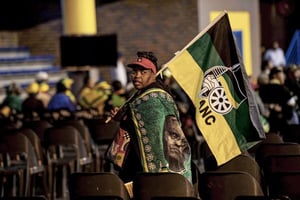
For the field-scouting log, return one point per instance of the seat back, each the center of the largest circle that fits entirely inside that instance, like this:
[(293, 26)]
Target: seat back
[(292, 134), (64, 148), (65, 136), (285, 184), (36, 143), (96, 185), (20, 149), (82, 129), (268, 149), (244, 163), (102, 132), (22, 157), (273, 138), (153, 185), (38, 127), (227, 185), (270, 138), (279, 164)]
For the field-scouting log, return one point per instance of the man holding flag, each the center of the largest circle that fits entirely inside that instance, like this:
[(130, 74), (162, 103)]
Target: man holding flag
[(211, 72)]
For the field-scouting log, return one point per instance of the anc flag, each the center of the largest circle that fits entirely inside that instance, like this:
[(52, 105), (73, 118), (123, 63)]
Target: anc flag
[(210, 71)]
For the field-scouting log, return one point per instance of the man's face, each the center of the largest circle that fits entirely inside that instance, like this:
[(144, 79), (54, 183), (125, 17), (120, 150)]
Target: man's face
[(175, 140), (142, 77)]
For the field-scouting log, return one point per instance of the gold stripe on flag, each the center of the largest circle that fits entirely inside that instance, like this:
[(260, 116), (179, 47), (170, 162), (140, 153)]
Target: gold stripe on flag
[(218, 135), (190, 75)]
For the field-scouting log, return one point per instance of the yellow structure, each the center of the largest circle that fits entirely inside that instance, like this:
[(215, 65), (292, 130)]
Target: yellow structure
[(79, 17), (240, 21)]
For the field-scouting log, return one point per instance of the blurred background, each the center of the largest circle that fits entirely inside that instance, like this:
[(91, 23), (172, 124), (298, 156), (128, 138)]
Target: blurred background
[(34, 34)]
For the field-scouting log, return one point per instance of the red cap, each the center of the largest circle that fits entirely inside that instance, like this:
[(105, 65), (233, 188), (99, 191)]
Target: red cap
[(143, 62)]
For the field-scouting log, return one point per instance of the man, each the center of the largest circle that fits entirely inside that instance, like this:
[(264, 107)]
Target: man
[(143, 118), (275, 55)]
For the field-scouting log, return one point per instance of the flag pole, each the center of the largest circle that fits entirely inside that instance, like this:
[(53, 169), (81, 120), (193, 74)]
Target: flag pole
[(193, 40)]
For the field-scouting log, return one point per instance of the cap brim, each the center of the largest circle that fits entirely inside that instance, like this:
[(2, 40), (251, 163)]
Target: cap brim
[(134, 65)]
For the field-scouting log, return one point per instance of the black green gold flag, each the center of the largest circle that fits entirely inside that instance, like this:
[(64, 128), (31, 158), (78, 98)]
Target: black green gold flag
[(210, 71)]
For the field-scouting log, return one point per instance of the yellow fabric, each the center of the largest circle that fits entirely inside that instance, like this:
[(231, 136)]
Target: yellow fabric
[(94, 98), (68, 82), (44, 87), (103, 85), (5, 111), (33, 88), (71, 96)]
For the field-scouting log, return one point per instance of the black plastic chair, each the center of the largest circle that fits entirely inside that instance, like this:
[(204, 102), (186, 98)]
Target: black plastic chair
[(38, 127), (9, 173), (227, 185), (268, 149), (147, 186), (23, 156), (243, 163), (66, 153), (285, 184), (277, 163), (41, 160), (292, 134), (280, 164), (103, 134), (97, 185), (270, 138), (89, 143)]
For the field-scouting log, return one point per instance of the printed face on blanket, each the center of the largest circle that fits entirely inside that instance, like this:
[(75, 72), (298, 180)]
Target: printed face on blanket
[(176, 146), (151, 118)]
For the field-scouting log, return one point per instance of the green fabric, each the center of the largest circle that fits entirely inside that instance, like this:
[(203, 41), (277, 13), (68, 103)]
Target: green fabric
[(117, 100), (149, 112), (14, 102)]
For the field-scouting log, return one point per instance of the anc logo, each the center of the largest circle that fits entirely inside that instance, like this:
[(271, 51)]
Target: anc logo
[(221, 88)]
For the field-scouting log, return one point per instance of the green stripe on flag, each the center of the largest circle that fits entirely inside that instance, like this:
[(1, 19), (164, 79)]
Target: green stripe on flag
[(204, 53)]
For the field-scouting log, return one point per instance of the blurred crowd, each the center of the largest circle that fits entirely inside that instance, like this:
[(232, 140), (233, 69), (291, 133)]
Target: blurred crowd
[(95, 99), (41, 100), (278, 90)]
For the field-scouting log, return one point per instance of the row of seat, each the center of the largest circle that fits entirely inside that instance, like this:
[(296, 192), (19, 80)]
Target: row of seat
[(54, 144), (54, 149), (145, 186), (240, 179), (273, 165)]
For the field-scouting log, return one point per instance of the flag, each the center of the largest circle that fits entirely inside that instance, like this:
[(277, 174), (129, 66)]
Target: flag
[(210, 71)]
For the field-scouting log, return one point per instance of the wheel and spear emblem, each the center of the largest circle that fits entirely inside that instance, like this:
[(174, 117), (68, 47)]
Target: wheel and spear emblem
[(220, 100)]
